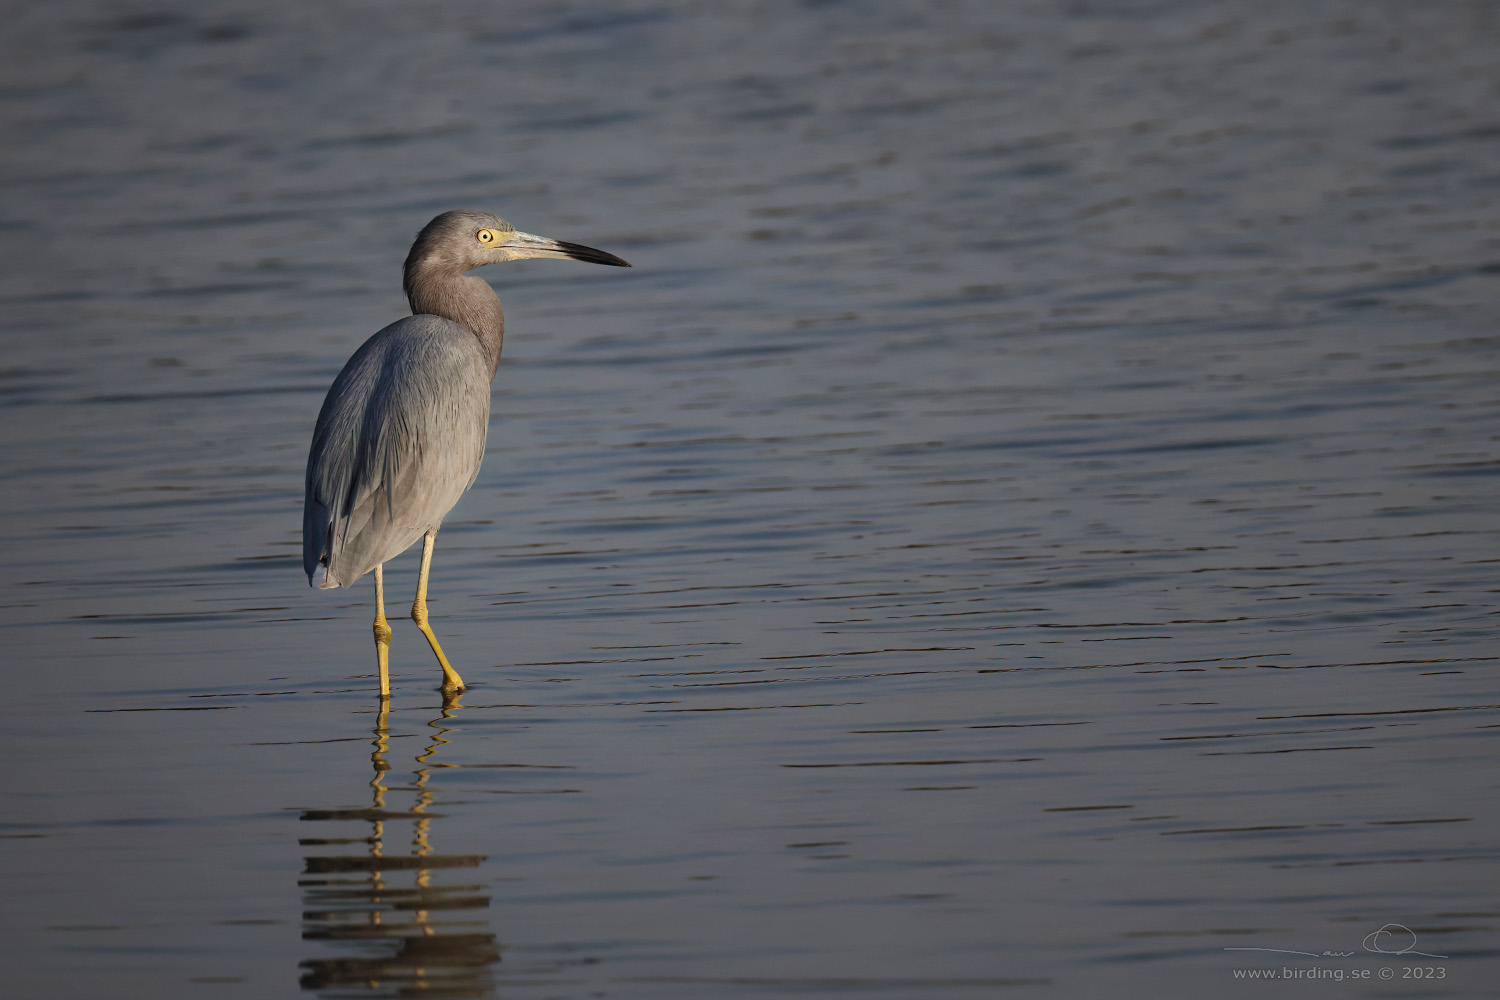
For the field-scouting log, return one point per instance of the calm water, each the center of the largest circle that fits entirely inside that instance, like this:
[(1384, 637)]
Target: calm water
[(1025, 527)]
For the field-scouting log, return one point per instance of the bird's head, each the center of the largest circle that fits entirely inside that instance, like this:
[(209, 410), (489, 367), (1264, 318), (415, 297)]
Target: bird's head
[(462, 240)]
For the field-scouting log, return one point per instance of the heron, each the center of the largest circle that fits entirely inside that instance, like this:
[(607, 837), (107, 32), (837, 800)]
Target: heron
[(401, 433)]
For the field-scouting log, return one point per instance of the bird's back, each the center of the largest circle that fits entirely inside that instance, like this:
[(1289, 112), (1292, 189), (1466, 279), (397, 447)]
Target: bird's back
[(399, 439)]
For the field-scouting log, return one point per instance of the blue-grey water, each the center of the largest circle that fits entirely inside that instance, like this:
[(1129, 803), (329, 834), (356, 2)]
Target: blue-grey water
[(1026, 525)]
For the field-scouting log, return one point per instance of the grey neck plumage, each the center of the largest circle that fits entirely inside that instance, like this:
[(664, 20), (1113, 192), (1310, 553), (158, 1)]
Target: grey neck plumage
[(436, 287)]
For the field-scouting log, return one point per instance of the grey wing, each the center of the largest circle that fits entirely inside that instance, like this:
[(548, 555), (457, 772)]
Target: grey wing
[(399, 439)]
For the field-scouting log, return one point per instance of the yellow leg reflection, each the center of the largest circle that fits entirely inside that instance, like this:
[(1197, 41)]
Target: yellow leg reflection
[(452, 683), (386, 921), (382, 636)]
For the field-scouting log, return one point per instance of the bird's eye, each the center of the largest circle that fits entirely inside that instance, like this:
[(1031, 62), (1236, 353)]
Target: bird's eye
[(487, 237)]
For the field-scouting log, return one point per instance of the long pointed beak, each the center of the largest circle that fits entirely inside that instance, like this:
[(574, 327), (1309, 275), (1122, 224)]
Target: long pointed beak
[(526, 245)]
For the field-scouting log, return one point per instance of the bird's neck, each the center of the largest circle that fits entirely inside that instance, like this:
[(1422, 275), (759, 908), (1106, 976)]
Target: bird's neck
[(465, 299)]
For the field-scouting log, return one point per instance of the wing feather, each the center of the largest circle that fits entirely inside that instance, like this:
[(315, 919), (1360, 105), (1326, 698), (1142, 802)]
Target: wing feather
[(398, 441)]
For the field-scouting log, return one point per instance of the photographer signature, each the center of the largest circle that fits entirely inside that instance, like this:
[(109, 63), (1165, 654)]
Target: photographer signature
[(1390, 939)]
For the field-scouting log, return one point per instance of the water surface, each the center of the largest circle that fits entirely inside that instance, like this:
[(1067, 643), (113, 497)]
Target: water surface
[(1025, 525)]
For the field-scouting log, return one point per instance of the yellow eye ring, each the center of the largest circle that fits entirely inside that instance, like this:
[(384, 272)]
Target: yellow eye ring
[(488, 237)]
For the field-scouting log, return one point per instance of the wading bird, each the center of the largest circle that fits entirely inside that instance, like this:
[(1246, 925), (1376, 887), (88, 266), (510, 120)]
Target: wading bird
[(401, 433)]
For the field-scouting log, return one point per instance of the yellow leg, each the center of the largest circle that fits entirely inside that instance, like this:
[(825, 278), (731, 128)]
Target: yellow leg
[(451, 681), (382, 636)]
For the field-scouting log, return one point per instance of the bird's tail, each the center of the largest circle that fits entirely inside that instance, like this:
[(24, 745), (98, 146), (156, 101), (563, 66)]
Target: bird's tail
[(324, 580)]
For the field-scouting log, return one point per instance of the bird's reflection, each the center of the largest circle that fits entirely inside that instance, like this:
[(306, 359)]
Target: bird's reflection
[(402, 919)]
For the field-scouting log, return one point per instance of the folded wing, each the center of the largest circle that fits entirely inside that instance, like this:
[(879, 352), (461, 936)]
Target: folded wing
[(399, 439)]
